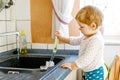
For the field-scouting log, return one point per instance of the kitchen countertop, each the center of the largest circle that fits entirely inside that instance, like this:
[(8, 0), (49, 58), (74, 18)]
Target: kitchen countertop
[(57, 74)]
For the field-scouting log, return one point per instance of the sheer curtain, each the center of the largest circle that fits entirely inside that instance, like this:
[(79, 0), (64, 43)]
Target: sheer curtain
[(61, 16)]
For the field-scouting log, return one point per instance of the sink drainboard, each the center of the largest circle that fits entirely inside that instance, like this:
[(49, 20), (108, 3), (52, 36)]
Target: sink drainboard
[(16, 77)]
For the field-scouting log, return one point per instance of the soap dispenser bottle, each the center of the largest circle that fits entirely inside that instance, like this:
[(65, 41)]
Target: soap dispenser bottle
[(23, 43)]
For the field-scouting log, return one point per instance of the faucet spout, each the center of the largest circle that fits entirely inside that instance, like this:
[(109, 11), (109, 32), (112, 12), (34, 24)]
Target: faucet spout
[(9, 33)]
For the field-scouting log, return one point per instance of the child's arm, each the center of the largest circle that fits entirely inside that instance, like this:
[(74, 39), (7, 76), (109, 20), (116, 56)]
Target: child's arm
[(63, 39), (71, 66)]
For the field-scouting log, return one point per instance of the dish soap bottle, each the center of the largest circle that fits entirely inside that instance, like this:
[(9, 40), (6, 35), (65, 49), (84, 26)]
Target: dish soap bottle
[(23, 43)]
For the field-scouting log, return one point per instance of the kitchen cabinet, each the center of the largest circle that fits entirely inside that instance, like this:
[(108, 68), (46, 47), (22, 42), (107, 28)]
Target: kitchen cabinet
[(72, 75)]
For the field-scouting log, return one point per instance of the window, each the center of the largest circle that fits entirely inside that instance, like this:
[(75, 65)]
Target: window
[(111, 11)]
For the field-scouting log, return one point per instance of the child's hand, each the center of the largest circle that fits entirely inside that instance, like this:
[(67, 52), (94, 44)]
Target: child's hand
[(61, 38), (71, 66), (66, 66), (57, 33)]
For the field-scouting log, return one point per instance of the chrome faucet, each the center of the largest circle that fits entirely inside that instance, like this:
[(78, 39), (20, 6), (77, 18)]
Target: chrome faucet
[(12, 33)]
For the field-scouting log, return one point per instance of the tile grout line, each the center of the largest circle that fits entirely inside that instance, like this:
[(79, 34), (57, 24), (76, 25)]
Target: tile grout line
[(6, 28)]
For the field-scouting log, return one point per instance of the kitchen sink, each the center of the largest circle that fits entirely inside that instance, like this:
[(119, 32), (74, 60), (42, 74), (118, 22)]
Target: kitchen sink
[(27, 66), (28, 62)]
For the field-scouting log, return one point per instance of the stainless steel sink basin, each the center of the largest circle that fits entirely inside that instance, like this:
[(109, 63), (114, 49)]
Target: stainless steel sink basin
[(28, 62)]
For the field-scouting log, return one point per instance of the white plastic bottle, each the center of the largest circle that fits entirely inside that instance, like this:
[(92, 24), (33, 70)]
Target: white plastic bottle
[(23, 43)]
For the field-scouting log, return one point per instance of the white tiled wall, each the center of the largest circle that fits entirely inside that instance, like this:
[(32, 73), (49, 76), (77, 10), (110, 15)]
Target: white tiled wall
[(8, 14), (2, 49), (2, 41), (23, 9), (11, 46), (39, 46), (15, 18), (2, 27), (2, 30), (11, 26), (11, 39), (2, 15)]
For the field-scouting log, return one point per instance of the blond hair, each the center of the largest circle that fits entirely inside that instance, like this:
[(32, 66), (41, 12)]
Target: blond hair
[(90, 14)]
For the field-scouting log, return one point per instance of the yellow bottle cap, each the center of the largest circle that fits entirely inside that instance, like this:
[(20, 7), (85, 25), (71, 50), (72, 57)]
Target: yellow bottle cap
[(22, 32)]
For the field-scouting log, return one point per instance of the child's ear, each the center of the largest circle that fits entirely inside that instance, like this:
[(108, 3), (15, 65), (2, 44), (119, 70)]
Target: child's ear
[(93, 26)]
